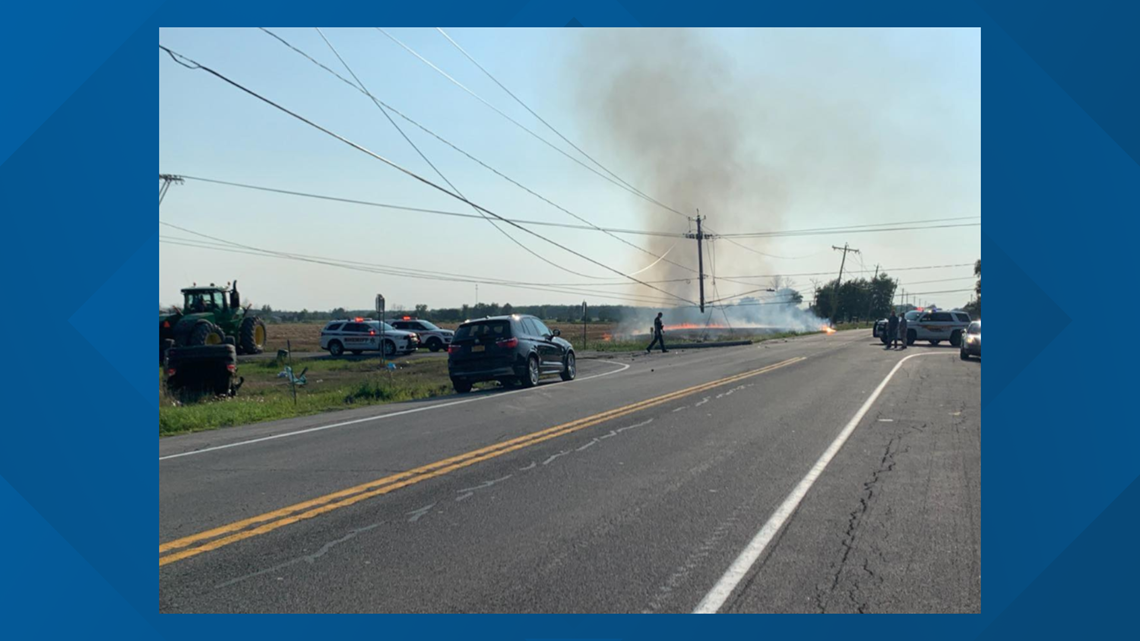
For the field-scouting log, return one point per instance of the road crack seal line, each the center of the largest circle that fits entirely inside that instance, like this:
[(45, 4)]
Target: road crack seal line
[(591, 443), (418, 514), (562, 453), (308, 558), (215, 538)]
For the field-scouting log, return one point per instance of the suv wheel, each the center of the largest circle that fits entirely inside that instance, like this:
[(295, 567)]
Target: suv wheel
[(434, 344), (569, 367), (530, 377), (389, 349), (956, 338), (461, 386), (911, 336), (335, 348), (962, 353)]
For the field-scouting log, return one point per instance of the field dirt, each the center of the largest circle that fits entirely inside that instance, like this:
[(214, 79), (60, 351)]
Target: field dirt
[(306, 337)]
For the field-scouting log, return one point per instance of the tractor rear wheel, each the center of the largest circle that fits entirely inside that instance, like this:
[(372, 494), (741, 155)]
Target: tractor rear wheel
[(252, 335), (205, 333)]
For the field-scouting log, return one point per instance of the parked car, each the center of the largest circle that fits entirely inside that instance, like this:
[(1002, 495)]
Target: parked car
[(972, 345), (510, 349), (431, 336), (366, 335)]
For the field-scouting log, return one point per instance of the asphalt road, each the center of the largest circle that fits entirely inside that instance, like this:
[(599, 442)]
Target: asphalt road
[(751, 479)]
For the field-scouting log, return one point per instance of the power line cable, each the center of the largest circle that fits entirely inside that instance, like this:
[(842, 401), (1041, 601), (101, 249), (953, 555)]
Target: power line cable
[(191, 64), (527, 129), (540, 118), (385, 107), (230, 247), (439, 212), (439, 173)]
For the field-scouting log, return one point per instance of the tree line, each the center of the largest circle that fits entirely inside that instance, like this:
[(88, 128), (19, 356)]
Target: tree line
[(560, 313), (856, 300)]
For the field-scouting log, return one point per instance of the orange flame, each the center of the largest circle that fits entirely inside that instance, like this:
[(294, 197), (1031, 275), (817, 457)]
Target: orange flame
[(827, 329)]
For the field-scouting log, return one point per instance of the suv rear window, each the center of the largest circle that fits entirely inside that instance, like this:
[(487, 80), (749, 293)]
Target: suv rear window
[(332, 327), (962, 318), (941, 317), (355, 327), (484, 331)]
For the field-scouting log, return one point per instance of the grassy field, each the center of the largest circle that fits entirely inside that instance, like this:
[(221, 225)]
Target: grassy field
[(305, 337), (332, 385), (335, 385)]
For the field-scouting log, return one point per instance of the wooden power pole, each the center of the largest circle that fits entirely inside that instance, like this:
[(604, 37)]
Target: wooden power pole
[(835, 297), (700, 237)]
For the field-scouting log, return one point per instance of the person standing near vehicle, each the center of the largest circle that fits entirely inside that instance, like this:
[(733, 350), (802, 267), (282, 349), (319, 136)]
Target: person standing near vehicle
[(658, 335), (892, 330), (902, 331)]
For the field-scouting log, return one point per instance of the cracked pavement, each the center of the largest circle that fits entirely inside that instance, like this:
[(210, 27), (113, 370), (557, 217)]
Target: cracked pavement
[(639, 513)]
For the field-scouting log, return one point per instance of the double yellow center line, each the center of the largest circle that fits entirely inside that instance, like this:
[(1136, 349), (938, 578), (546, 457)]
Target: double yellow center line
[(218, 537)]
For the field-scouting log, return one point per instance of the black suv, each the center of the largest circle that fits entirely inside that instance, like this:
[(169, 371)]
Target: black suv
[(507, 349)]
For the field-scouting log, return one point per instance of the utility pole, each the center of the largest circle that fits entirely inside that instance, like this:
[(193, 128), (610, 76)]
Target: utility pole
[(700, 236), (871, 300), (167, 180), (835, 297)]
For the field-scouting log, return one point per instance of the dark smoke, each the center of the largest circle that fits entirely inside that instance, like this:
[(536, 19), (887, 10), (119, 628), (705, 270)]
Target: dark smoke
[(666, 105)]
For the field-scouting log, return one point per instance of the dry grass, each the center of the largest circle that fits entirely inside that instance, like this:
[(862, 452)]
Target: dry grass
[(306, 337)]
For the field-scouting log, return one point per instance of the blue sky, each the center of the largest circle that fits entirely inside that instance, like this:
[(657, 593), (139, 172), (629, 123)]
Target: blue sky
[(826, 127)]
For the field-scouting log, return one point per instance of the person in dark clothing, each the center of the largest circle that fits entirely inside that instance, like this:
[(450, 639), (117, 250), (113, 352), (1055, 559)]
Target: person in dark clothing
[(892, 330), (901, 336), (658, 335)]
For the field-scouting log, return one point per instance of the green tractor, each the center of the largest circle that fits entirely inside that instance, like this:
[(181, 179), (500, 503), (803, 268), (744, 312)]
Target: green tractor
[(211, 316)]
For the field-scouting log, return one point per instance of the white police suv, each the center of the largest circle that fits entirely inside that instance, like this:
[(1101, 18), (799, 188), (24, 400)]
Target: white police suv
[(358, 335), (431, 337)]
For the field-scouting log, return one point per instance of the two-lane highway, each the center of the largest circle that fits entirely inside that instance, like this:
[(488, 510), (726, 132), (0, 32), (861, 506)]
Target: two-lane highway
[(645, 486)]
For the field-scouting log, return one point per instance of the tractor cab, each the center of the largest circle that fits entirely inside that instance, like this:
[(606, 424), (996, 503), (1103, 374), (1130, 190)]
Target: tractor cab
[(198, 300), (211, 315)]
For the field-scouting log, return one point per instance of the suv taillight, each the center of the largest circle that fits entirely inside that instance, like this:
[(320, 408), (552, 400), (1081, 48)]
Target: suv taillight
[(509, 343), (453, 349), (170, 372), (231, 367)]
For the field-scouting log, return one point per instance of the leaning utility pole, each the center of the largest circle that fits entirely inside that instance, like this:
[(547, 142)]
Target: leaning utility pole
[(871, 302), (700, 236), (167, 179), (835, 297)]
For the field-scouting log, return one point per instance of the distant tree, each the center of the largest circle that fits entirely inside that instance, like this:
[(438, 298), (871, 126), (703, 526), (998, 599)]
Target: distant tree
[(421, 311), (508, 309)]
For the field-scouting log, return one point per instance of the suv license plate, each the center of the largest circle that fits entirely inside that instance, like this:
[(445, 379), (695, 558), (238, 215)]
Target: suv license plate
[(477, 348)]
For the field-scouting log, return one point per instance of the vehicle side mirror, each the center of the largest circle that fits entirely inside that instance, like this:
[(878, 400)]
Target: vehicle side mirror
[(557, 332)]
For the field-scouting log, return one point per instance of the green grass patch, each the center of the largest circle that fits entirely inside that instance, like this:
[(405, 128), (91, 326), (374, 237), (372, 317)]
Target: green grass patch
[(332, 385)]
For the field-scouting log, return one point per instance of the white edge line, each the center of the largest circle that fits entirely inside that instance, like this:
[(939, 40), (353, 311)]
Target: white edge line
[(624, 366), (719, 594)]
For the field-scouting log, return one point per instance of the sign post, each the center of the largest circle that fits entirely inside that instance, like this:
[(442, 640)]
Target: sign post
[(380, 310), (584, 319)]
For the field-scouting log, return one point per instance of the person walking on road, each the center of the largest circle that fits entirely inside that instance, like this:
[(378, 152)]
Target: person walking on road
[(658, 335), (901, 337), (892, 330)]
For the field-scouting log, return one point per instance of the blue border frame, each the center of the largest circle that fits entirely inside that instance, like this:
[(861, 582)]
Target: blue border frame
[(1061, 190)]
